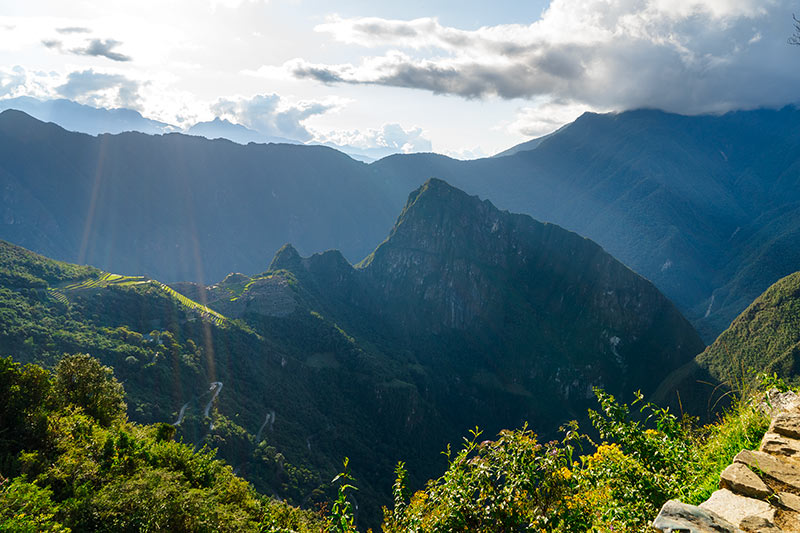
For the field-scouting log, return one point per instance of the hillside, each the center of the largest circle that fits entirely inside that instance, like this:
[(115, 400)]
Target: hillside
[(705, 207), (76, 463), (465, 315), (490, 318), (765, 337), (763, 340)]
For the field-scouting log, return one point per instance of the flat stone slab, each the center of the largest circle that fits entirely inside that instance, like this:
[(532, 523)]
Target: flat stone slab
[(735, 508), (681, 517), (740, 479), (787, 424), (780, 445), (757, 524), (790, 501), (771, 466)]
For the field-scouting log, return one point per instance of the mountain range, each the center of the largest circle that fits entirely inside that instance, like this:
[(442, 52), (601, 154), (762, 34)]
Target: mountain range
[(705, 207), (83, 118), (464, 315)]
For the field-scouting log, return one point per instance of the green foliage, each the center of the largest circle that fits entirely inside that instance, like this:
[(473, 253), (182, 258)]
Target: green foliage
[(342, 515), (28, 508), (82, 381), (88, 469), (739, 428), (517, 484), (511, 484)]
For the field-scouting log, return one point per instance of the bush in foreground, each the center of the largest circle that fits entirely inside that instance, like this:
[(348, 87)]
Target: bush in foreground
[(516, 483)]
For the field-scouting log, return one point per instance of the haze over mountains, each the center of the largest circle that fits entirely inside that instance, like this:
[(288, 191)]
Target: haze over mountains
[(82, 118), (705, 207)]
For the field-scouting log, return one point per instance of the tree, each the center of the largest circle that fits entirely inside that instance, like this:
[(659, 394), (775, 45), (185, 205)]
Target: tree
[(795, 39), (81, 380), (23, 421)]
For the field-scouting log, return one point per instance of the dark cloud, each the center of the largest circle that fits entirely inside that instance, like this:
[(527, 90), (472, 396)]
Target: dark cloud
[(101, 48), (691, 56), (101, 89), (53, 43), (73, 29), (322, 73)]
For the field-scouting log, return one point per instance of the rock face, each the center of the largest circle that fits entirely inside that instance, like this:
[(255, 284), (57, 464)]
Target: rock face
[(741, 480), (512, 320), (679, 517), (759, 492), (456, 263)]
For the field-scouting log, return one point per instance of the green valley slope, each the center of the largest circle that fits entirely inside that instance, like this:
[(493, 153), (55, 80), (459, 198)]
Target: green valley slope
[(763, 340), (465, 315)]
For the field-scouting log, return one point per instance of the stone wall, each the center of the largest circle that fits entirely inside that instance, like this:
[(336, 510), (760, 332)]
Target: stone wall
[(759, 491)]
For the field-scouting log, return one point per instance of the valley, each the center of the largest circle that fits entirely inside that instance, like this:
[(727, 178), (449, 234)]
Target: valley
[(403, 267), (464, 315), (683, 201)]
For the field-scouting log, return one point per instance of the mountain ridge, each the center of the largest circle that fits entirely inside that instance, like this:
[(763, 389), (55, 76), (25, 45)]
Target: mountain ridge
[(705, 207)]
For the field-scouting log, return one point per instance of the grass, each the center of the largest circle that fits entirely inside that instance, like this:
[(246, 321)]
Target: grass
[(58, 295), (106, 280), (205, 312), (117, 280), (742, 427)]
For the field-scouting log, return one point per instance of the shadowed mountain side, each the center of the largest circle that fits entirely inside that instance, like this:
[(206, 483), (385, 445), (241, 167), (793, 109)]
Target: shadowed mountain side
[(698, 205), (178, 207), (705, 207), (513, 319)]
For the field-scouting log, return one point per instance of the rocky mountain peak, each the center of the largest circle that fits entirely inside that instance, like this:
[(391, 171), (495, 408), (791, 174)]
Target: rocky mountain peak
[(286, 258)]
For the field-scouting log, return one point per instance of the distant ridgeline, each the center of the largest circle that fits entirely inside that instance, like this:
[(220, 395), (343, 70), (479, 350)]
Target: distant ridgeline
[(465, 315), (705, 207)]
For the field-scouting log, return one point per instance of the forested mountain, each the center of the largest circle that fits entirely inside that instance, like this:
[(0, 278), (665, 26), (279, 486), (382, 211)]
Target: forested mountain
[(761, 346), (464, 315), (704, 206)]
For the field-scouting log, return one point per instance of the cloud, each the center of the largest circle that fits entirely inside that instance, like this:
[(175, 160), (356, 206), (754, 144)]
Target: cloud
[(17, 81), (685, 56), (73, 29), (101, 89), (392, 137), (270, 115), (90, 47), (101, 48), (546, 115)]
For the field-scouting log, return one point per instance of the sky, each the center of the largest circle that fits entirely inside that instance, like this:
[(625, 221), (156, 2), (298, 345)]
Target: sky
[(465, 78)]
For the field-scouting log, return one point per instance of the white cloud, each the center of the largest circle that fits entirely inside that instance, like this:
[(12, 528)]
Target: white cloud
[(685, 56), (17, 81), (101, 89), (546, 117), (392, 137), (467, 153), (269, 114)]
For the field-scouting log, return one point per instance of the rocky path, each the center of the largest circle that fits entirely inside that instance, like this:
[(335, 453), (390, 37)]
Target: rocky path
[(759, 492)]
